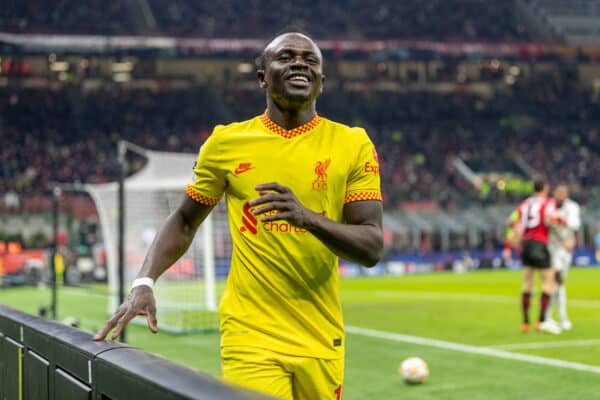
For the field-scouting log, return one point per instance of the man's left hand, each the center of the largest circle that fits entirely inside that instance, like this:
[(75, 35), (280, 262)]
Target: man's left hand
[(281, 204)]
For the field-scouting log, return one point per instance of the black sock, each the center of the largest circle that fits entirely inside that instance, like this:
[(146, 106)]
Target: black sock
[(544, 302), (525, 300)]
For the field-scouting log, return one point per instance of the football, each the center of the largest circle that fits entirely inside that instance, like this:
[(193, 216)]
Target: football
[(414, 370)]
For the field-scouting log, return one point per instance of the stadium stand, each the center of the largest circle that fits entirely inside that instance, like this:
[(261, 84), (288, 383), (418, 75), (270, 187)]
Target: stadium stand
[(465, 100), (577, 22), (561, 137), (67, 16), (433, 20), (473, 110)]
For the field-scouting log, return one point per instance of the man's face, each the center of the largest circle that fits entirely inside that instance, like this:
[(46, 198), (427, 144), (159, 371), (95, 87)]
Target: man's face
[(560, 194), (293, 74)]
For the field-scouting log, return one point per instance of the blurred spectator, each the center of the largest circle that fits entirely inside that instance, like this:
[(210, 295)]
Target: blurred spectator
[(359, 19), (11, 200), (467, 20), (67, 16), (70, 135)]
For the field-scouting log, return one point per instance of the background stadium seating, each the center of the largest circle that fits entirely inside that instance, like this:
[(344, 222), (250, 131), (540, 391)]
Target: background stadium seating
[(492, 85)]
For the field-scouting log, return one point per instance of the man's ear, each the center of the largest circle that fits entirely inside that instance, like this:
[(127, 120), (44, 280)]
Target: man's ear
[(322, 83), (260, 74)]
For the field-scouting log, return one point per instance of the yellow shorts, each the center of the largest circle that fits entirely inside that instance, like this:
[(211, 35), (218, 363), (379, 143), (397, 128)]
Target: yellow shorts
[(281, 375)]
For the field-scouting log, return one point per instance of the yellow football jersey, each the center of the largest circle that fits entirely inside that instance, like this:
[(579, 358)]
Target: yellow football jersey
[(282, 289)]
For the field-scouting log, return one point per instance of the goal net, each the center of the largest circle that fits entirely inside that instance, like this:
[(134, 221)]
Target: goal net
[(187, 293)]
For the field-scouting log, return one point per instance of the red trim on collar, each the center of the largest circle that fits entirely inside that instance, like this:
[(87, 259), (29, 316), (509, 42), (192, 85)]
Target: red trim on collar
[(273, 127)]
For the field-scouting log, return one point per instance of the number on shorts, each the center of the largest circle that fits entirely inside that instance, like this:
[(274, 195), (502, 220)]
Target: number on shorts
[(338, 393)]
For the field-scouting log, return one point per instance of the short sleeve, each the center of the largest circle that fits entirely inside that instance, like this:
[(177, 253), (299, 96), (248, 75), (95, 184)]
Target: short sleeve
[(574, 217), (208, 182), (363, 180), (550, 208)]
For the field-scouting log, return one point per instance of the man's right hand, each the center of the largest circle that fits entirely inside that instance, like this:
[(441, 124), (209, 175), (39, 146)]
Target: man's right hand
[(139, 302)]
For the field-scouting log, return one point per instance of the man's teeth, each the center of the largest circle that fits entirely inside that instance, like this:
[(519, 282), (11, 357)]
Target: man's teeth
[(299, 78)]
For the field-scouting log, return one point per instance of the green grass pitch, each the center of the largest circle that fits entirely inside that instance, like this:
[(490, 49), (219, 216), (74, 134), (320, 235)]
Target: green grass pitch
[(480, 309)]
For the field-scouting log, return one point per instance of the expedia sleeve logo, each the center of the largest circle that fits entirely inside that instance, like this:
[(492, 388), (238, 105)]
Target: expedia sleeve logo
[(372, 168)]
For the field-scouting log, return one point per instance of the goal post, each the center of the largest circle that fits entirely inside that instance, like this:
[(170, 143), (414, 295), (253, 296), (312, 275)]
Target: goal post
[(209, 264), (187, 293)]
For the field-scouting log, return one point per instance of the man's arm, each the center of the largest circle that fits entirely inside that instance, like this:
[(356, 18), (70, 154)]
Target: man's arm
[(574, 217), (174, 238), (551, 215), (360, 239), (573, 223), (170, 244), (514, 217)]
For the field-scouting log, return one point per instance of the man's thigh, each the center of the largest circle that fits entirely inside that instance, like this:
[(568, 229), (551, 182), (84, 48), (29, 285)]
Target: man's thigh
[(561, 261), (256, 369), (316, 378)]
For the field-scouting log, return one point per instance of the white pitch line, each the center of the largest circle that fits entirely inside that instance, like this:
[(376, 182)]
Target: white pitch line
[(465, 348), (472, 296), (547, 345)]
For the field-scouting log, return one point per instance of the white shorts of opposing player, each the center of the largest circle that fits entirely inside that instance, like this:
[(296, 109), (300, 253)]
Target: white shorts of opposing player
[(561, 262)]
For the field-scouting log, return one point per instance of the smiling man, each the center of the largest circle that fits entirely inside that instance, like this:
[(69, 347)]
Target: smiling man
[(301, 190)]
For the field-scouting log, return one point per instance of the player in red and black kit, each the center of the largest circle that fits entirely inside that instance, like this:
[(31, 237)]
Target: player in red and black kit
[(537, 214)]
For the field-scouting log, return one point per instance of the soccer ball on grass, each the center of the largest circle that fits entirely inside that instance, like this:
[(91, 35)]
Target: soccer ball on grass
[(414, 370)]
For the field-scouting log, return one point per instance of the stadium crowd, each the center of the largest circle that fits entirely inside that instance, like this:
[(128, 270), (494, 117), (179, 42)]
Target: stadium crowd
[(67, 16), (359, 19), (69, 135), (408, 19)]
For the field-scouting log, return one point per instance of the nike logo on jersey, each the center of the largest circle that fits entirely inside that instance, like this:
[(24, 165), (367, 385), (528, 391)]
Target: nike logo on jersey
[(243, 167)]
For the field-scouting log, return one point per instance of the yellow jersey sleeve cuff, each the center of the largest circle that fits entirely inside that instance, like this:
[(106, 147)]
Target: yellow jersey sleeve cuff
[(360, 196), (200, 198)]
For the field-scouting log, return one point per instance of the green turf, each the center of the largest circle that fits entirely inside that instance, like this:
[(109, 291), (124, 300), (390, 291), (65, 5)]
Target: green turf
[(479, 308)]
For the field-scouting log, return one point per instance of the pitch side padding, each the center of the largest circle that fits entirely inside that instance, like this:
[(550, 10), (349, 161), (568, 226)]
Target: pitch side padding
[(11, 352), (10, 322), (56, 360), (68, 387), (126, 373), (45, 360), (2, 379), (36, 376)]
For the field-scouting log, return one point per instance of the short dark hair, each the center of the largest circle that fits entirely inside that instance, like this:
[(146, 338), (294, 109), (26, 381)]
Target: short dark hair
[(261, 60), (561, 183), (539, 184)]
